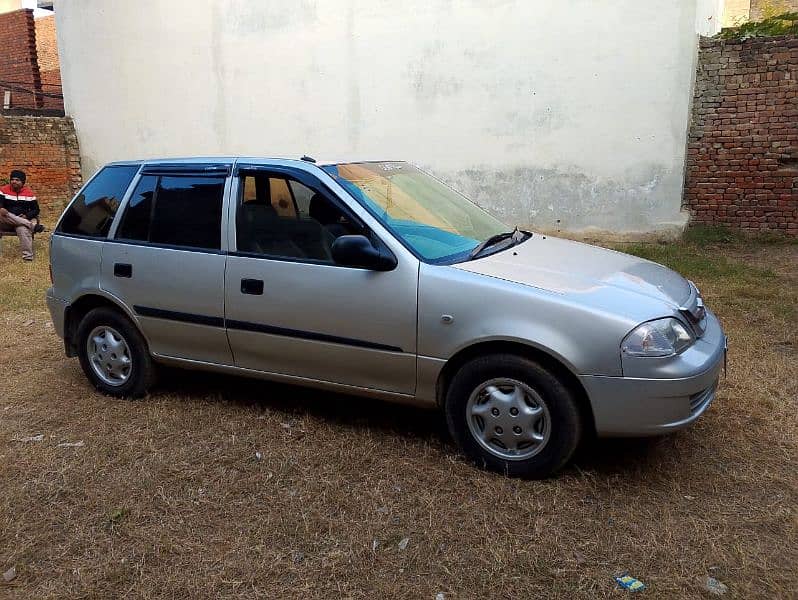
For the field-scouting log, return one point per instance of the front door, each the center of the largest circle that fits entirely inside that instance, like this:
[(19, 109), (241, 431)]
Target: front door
[(166, 262), (290, 310)]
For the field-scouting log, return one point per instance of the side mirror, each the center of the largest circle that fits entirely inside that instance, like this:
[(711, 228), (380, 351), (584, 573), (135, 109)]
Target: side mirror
[(358, 251)]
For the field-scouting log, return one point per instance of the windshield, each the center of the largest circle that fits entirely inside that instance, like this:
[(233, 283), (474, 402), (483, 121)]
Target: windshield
[(435, 221)]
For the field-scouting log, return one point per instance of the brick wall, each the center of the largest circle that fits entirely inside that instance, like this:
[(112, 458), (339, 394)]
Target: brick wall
[(19, 68), (46, 148), (49, 67), (742, 152)]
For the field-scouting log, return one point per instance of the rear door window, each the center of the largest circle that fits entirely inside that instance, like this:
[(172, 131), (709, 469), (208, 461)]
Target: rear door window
[(175, 210), (135, 223), (93, 210)]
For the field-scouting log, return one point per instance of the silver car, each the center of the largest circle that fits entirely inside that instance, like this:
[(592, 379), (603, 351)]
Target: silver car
[(374, 278)]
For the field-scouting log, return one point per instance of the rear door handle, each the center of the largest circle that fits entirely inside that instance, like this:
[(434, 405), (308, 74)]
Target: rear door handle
[(252, 286), (123, 270)]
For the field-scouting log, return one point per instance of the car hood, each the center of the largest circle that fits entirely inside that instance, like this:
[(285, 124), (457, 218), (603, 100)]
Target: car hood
[(568, 267)]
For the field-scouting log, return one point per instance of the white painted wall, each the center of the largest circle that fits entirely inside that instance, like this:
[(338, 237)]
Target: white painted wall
[(9, 5), (574, 110), (709, 16)]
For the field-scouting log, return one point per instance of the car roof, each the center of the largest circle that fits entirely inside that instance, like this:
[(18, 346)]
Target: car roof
[(188, 160)]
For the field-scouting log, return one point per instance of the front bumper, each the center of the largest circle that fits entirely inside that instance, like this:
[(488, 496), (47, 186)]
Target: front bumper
[(57, 308), (642, 406)]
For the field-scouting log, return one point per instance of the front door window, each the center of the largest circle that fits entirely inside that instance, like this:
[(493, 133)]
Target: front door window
[(279, 217)]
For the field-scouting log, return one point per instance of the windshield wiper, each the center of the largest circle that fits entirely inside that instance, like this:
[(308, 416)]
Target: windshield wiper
[(495, 239)]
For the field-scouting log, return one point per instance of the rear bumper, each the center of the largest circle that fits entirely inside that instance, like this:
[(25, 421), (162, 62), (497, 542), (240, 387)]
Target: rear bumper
[(639, 406), (57, 308)]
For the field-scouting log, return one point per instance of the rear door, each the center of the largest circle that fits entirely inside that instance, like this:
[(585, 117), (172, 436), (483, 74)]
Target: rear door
[(291, 310), (166, 260)]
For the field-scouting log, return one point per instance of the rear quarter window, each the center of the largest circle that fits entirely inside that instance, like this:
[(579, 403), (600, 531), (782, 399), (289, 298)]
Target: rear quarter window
[(93, 210)]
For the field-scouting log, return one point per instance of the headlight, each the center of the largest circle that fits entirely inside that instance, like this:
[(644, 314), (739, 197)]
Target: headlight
[(663, 337)]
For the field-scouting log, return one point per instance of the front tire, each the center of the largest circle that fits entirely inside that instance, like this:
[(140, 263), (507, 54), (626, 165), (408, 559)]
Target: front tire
[(511, 415), (114, 355)]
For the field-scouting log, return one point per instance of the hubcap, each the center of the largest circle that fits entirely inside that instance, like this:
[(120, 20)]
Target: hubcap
[(509, 419), (109, 355)]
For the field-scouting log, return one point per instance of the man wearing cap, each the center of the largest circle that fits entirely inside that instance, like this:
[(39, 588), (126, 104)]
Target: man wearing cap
[(19, 212)]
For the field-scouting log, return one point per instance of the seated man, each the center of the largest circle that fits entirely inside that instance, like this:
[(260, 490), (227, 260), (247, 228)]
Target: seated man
[(19, 212)]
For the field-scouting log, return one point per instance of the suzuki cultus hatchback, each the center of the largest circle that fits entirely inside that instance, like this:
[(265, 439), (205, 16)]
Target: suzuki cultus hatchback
[(374, 278)]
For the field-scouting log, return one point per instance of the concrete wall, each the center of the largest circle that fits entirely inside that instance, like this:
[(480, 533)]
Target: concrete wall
[(574, 110), (9, 5), (736, 12)]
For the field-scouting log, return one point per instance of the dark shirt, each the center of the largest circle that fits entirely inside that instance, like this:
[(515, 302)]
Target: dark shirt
[(22, 203)]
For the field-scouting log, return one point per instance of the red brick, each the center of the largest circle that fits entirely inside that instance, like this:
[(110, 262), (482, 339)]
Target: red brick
[(18, 63), (743, 146), (46, 148)]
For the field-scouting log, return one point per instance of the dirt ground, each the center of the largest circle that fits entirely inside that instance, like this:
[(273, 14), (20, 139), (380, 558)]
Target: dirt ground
[(215, 487)]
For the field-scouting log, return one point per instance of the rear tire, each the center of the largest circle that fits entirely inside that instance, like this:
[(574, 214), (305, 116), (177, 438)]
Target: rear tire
[(114, 355), (510, 415)]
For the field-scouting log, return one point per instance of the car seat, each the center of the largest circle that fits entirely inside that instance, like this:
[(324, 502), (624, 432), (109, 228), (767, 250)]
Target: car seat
[(327, 215)]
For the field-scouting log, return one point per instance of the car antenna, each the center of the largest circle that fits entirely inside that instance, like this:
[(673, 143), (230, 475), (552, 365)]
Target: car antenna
[(309, 159)]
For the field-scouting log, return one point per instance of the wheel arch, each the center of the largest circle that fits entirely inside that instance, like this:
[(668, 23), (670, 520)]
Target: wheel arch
[(538, 355), (79, 308)]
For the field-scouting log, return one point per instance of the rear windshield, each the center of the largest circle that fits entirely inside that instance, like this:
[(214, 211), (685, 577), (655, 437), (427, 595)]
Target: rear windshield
[(93, 210)]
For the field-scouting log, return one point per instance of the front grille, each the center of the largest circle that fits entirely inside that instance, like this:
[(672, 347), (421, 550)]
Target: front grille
[(700, 400)]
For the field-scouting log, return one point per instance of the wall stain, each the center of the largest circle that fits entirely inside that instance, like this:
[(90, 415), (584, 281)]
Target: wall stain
[(254, 18), (541, 197), (429, 75)]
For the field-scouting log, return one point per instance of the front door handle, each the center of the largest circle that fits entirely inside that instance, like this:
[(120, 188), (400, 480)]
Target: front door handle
[(123, 270), (252, 286)]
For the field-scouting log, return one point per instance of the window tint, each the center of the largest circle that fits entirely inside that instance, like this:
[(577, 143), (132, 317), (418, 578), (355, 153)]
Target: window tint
[(188, 212), (175, 211), (93, 210), (271, 226), (136, 220)]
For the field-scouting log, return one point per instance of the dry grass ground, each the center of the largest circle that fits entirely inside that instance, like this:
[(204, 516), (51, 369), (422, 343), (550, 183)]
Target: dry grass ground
[(168, 498)]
